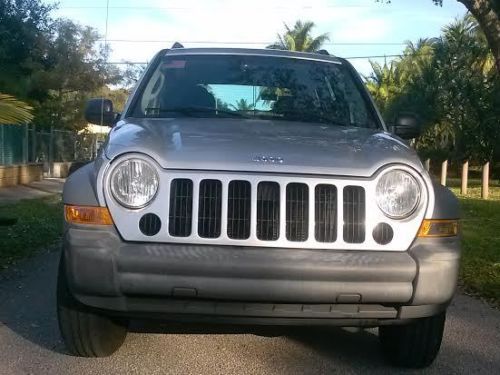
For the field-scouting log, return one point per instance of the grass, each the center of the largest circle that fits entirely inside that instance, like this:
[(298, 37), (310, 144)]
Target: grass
[(480, 267), (38, 226)]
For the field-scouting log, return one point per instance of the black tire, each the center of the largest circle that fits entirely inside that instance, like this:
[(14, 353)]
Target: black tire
[(414, 345), (85, 333)]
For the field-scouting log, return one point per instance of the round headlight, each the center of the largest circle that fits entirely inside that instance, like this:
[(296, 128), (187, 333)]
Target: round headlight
[(134, 183), (397, 194)]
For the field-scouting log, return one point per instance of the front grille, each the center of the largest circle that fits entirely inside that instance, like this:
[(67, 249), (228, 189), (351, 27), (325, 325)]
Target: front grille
[(297, 212), (325, 213), (238, 210), (209, 209), (268, 211), (181, 207), (278, 211), (354, 214)]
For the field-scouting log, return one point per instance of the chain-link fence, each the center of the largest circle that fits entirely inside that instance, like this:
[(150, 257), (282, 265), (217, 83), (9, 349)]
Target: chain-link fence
[(22, 144)]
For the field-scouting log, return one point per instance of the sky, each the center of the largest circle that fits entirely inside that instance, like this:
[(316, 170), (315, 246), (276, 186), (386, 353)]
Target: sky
[(137, 29)]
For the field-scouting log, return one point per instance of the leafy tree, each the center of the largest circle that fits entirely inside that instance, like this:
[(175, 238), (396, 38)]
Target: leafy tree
[(131, 74), (13, 111), (299, 38), (404, 84), (452, 84), (119, 96), (25, 26), (487, 13), (384, 84), (72, 70), (53, 65), (76, 71), (468, 86)]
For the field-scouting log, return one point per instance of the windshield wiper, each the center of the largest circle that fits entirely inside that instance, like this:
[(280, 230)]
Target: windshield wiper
[(192, 110)]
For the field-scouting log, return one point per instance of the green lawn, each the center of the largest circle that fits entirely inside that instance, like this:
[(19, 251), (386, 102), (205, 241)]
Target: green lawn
[(39, 226), (480, 269)]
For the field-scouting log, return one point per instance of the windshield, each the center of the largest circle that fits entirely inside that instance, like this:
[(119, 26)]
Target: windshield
[(261, 87)]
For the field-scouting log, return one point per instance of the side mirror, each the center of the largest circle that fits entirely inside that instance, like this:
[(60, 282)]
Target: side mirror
[(406, 126), (100, 112)]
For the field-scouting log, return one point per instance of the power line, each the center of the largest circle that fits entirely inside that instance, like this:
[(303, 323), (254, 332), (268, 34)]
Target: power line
[(146, 7)]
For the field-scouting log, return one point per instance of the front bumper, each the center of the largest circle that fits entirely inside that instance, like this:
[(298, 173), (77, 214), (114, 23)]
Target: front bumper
[(279, 286)]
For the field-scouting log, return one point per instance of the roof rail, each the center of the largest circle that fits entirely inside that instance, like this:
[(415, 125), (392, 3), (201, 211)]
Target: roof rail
[(177, 45), (323, 52)]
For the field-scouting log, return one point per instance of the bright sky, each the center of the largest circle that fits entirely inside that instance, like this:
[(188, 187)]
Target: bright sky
[(139, 28)]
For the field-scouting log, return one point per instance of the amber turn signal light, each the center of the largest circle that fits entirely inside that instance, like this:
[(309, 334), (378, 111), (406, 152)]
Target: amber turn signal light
[(87, 215), (438, 228)]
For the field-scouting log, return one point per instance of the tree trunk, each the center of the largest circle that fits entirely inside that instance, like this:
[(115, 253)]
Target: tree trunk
[(487, 15)]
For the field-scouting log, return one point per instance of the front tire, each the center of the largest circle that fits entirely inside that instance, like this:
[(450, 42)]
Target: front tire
[(414, 345), (85, 333)]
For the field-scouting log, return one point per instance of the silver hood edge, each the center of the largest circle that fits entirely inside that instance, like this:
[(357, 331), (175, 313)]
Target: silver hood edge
[(242, 145)]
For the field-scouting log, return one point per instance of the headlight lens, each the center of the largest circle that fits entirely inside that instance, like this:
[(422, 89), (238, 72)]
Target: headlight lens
[(134, 183), (397, 194)]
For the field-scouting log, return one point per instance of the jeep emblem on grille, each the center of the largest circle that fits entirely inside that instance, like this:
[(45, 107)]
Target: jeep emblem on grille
[(268, 159)]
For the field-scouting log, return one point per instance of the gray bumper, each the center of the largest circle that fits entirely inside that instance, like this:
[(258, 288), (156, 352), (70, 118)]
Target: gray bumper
[(107, 273)]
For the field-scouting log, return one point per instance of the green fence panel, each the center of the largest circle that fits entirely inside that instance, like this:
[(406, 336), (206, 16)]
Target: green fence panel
[(11, 144), (20, 144)]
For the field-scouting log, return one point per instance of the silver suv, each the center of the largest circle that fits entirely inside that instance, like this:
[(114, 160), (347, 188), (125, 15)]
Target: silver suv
[(256, 187)]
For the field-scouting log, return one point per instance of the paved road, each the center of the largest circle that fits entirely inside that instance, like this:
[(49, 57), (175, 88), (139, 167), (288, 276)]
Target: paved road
[(30, 342)]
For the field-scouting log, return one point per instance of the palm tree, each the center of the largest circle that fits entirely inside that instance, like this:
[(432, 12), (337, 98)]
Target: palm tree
[(299, 38), (13, 111), (243, 105), (417, 58), (384, 84)]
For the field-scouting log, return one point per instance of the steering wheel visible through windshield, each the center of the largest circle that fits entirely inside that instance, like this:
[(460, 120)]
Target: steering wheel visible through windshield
[(261, 87)]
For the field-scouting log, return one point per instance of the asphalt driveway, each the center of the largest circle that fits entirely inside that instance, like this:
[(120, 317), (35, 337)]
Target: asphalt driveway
[(30, 342)]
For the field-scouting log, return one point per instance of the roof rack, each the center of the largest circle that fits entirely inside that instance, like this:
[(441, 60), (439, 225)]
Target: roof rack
[(177, 45), (323, 52)]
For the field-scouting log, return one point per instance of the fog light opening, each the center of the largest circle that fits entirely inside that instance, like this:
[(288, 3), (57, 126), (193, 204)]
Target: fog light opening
[(383, 233)]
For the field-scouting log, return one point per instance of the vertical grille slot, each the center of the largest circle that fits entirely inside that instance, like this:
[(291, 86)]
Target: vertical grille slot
[(325, 213), (209, 208), (181, 207), (268, 211), (238, 210), (297, 212), (354, 214)]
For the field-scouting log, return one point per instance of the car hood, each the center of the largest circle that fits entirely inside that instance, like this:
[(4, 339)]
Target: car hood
[(241, 144)]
